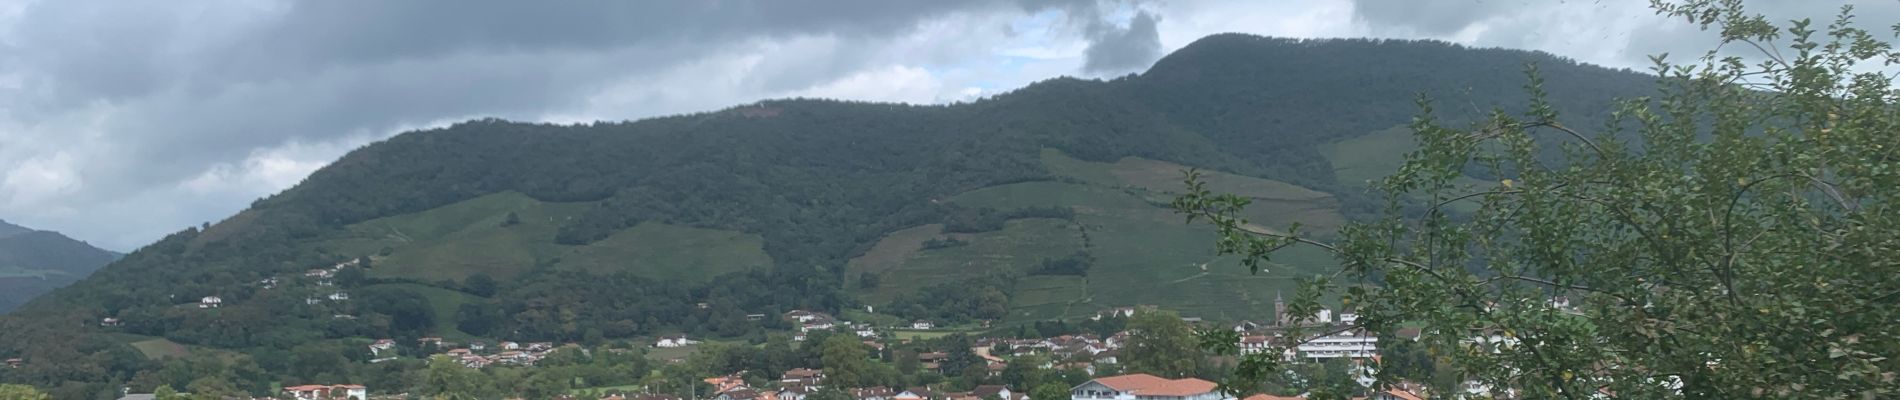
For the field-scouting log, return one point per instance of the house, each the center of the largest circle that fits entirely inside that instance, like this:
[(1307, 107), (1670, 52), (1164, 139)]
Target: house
[(109, 322), (545, 346), (933, 360), (381, 346), (802, 377), (1354, 344), (1348, 318), (1145, 387), (803, 316), (459, 353), (314, 392), (13, 363), (672, 341), (477, 345), (865, 331), (743, 393), (312, 301), (339, 296), (722, 384), (916, 393), (999, 391), (1253, 344), (509, 346), (793, 393), (922, 324), (319, 273), (755, 317), (1264, 396), (435, 341), (268, 283), (210, 302), (1245, 326), (871, 393)]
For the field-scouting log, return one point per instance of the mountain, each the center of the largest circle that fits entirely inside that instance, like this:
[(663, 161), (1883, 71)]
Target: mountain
[(34, 262), (1046, 202)]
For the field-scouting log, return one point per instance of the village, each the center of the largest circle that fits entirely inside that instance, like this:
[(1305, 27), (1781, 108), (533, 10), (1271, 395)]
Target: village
[(1096, 356), (1325, 336)]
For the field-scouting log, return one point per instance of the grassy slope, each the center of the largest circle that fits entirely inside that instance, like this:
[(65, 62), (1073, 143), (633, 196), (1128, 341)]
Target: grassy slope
[(465, 238), (1144, 253), (1352, 167)]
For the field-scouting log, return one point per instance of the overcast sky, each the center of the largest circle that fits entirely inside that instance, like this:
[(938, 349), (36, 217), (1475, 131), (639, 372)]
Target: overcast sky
[(122, 121)]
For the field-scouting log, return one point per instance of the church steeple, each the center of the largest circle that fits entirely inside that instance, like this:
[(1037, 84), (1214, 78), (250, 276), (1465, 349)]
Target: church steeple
[(1279, 309)]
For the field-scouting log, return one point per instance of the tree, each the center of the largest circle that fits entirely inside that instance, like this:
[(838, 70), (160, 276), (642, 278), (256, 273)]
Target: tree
[(1160, 343), (165, 392), (846, 362), (21, 392), (479, 285), (1049, 391), (1732, 237), (828, 393)]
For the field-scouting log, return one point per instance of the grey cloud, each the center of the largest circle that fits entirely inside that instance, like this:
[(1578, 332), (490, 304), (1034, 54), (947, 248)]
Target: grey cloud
[(1114, 49), (149, 95), (1429, 17)]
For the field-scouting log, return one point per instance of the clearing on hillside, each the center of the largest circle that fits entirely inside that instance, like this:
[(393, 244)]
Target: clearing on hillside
[(478, 235), (444, 303)]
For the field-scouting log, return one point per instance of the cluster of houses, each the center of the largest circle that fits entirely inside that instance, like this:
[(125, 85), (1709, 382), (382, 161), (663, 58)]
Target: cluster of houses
[(476, 354), (798, 383), (322, 276), (808, 321)]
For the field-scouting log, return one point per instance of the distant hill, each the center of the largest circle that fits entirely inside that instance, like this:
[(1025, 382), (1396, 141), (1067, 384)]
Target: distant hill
[(35, 262), (1045, 202)]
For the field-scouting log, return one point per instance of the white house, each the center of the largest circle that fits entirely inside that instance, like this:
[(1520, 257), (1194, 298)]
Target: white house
[(1348, 344), (1253, 344), (865, 331), (1145, 387), (922, 324), (381, 346), (327, 392), (340, 296), (1348, 318), (672, 341), (210, 302), (109, 322)]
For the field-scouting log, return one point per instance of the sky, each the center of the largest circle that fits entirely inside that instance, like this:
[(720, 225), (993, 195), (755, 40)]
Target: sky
[(124, 121)]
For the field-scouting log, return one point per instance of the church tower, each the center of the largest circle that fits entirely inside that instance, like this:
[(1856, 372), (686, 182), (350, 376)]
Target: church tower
[(1279, 310)]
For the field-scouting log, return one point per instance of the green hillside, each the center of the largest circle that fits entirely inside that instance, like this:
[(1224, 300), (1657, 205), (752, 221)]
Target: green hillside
[(1055, 195), (35, 262)]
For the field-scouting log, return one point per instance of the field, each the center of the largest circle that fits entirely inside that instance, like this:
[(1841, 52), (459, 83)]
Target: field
[(159, 349), (1021, 244), (1352, 168), (444, 303), (906, 334), (1144, 252), (474, 236)]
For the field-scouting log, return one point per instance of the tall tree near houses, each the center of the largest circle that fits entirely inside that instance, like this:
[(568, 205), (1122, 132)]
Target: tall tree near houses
[(1733, 236), (1160, 343), (847, 363)]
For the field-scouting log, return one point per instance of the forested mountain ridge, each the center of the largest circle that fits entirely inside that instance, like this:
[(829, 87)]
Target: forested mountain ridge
[(33, 262), (819, 183)]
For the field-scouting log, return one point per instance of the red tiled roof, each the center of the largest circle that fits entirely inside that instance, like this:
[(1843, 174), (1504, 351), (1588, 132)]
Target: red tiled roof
[(1264, 396), (1150, 385)]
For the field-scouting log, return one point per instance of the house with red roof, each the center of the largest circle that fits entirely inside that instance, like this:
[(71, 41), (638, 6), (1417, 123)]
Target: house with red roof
[(1145, 387)]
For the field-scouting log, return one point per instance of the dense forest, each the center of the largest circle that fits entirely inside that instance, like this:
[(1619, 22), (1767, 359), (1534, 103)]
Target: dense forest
[(819, 180)]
